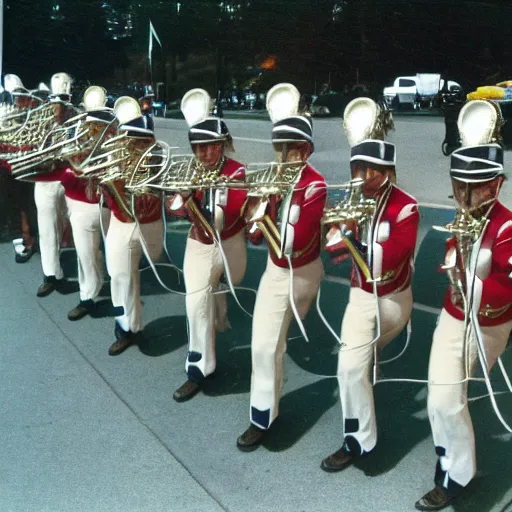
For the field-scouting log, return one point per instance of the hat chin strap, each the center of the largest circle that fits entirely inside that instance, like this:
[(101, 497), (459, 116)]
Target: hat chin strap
[(382, 187), (479, 210), (284, 154)]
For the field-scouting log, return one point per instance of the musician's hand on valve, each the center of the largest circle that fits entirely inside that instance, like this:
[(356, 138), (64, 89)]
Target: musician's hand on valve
[(175, 205), (350, 231), (255, 209), (336, 246), (456, 278), (456, 297)]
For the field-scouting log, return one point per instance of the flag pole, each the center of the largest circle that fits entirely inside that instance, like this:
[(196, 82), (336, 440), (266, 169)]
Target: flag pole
[(150, 51), (1, 36)]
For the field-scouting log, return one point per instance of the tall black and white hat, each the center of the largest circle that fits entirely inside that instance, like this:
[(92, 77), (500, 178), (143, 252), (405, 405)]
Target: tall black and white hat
[(129, 116), (283, 108), (13, 84), (365, 126), (61, 87), (375, 151), (203, 128), (475, 164), (481, 158)]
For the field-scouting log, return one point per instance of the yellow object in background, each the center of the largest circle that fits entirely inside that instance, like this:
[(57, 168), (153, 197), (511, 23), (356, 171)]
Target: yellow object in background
[(506, 83), (490, 92)]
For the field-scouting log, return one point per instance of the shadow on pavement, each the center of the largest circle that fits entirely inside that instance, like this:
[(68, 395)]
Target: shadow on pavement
[(299, 411), (171, 278), (102, 309), (164, 335), (233, 350)]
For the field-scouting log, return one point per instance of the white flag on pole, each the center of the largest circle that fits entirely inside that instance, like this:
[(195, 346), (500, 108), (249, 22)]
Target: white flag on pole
[(152, 33)]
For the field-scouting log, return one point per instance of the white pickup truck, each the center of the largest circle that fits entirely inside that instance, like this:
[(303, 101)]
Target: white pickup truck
[(415, 89)]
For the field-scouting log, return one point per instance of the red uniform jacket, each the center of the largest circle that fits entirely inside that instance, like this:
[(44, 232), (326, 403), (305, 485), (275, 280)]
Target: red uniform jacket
[(231, 204), (303, 231), (148, 208), (493, 282), (393, 243), (79, 189)]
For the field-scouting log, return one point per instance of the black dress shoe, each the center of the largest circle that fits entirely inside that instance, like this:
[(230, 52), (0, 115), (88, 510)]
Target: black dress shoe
[(125, 339), (84, 308), (50, 284), (338, 460), (187, 391), (251, 439), (436, 499)]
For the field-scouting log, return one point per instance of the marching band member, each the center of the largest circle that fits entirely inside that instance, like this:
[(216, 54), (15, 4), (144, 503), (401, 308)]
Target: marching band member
[(18, 196), (50, 201), (476, 319), (126, 234), (382, 247), (82, 200), (294, 255), (203, 263)]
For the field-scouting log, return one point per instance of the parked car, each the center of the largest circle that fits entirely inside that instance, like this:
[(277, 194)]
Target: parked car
[(334, 103), (416, 91)]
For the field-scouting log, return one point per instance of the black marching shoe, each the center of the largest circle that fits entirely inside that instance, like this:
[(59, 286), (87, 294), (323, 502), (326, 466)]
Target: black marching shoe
[(50, 284), (124, 340), (84, 308), (251, 439), (436, 499), (187, 391), (338, 460)]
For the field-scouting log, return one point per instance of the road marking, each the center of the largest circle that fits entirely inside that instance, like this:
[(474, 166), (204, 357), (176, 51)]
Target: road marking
[(248, 139), (436, 206), (416, 305)]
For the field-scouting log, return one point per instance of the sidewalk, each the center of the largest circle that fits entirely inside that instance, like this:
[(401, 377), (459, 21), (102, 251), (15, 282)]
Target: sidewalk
[(85, 432)]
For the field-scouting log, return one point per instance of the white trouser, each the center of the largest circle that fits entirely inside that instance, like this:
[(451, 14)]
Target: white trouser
[(51, 209), (123, 251), (203, 267), (272, 317), (447, 402), (356, 356), (85, 222)]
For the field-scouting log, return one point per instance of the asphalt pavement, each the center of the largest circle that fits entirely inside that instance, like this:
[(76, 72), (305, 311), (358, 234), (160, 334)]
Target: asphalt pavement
[(81, 431), (422, 169)]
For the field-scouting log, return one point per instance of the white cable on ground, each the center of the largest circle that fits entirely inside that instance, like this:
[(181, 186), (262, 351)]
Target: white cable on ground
[(292, 301)]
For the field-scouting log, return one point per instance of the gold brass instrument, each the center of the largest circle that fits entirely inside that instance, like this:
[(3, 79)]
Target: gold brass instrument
[(73, 140), (353, 208), (466, 230), (24, 128), (363, 120), (77, 142), (143, 167), (479, 124), (183, 173), (130, 160), (266, 179), (62, 140)]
